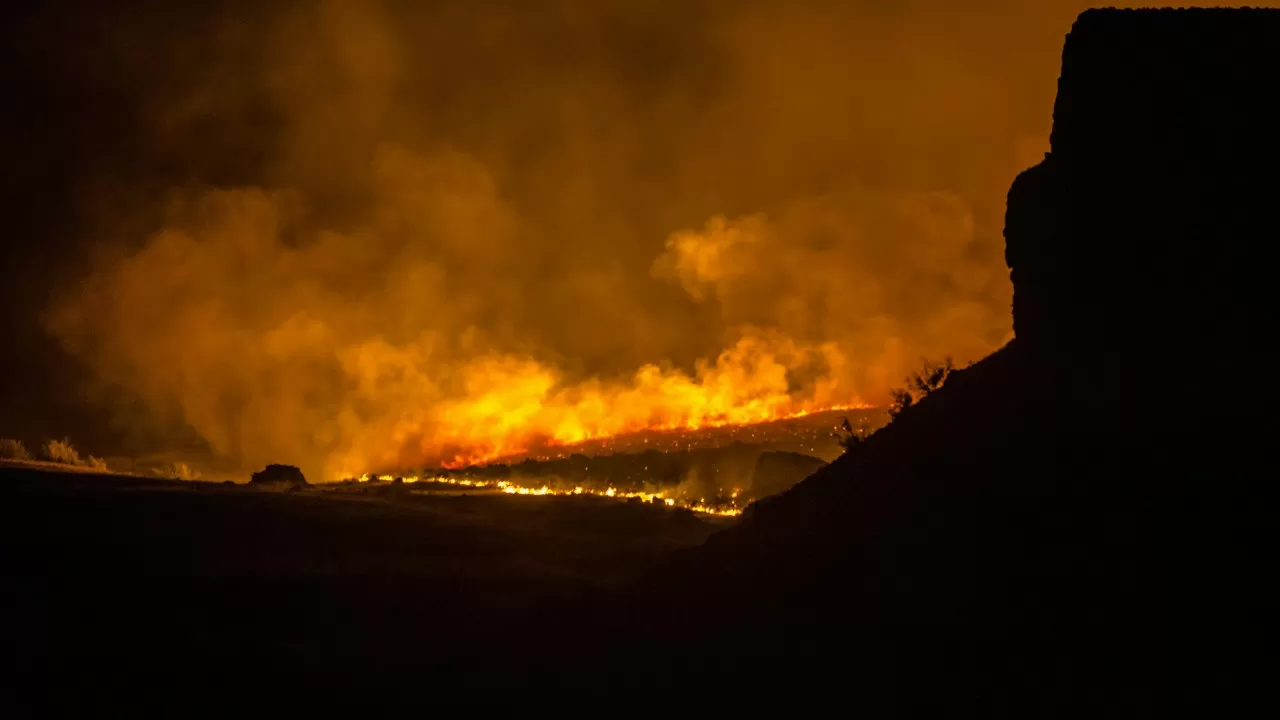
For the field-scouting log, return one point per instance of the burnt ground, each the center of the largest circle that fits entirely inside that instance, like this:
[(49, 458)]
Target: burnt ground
[(120, 585)]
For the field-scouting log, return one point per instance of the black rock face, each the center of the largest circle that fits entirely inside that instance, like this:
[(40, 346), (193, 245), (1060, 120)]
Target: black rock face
[(1147, 230), (279, 475)]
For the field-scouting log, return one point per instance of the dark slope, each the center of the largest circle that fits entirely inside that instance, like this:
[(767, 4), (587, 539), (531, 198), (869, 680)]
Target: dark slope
[(1063, 526), (123, 592)]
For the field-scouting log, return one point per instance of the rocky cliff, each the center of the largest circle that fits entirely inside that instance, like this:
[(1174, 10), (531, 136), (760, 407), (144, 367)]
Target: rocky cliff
[(1145, 233)]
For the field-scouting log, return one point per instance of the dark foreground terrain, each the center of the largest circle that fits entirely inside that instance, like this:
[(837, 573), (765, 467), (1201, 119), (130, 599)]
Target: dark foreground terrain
[(110, 580)]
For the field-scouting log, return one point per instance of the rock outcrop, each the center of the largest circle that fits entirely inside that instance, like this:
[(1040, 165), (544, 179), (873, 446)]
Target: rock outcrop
[(1144, 236), (279, 476), (777, 472)]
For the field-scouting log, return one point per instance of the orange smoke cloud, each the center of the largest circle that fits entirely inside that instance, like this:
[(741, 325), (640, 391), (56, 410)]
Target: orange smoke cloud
[(442, 232)]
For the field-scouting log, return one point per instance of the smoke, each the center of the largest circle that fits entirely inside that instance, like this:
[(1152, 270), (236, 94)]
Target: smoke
[(448, 231)]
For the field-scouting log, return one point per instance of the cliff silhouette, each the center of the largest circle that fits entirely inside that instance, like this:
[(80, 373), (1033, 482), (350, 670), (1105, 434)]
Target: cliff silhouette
[(1063, 526)]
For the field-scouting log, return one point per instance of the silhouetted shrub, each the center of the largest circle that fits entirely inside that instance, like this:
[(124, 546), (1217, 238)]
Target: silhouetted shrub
[(847, 437), (900, 400), (62, 451), (931, 377), (11, 449), (176, 470), (920, 385)]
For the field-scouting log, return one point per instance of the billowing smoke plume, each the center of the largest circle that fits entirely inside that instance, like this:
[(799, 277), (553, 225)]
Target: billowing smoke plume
[(459, 230)]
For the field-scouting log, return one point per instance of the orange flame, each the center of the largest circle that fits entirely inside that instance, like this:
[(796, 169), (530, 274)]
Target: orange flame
[(510, 407), (732, 509)]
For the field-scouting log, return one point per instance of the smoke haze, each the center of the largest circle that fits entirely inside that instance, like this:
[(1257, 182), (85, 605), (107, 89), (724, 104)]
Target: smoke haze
[(406, 233)]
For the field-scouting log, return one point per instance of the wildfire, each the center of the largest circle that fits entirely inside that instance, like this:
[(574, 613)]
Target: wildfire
[(659, 498), (505, 407)]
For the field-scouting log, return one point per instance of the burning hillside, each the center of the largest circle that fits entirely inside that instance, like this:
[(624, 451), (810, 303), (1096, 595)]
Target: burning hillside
[(814, 434), (714, 470), (514, 408), (810, 433)]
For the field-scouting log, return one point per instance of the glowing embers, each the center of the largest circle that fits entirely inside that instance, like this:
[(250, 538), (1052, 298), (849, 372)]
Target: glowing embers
[(659, 498), (732, 508)]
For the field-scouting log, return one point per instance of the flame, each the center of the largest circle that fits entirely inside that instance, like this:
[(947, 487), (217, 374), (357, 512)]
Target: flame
[(510, 407), (731, 509), (658, 498)]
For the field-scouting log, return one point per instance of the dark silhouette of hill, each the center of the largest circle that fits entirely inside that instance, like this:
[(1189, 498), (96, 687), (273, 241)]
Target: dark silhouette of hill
[(1062, 527)]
